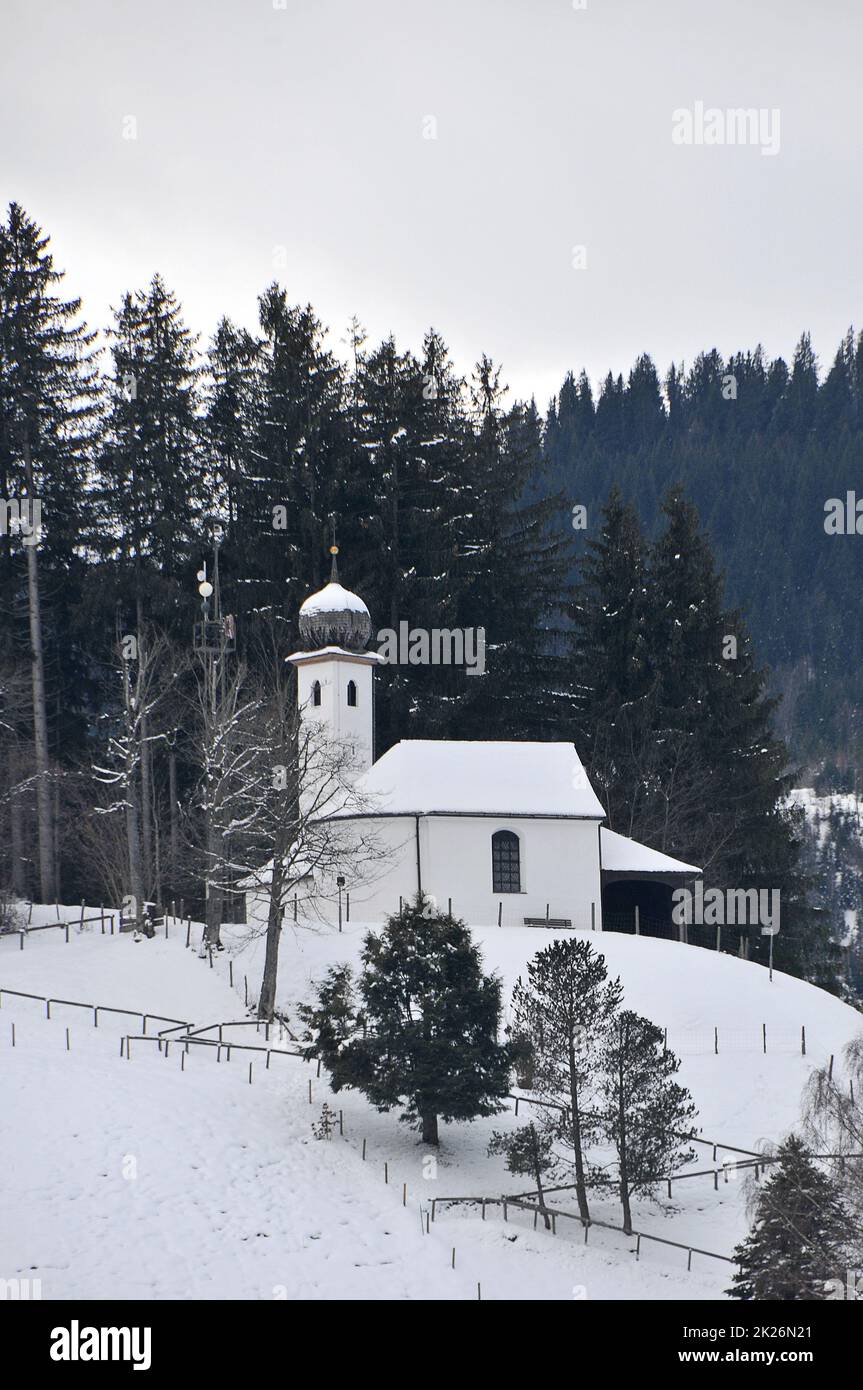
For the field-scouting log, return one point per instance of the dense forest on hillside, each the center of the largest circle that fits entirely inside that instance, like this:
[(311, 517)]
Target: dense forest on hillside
[(760, 447), (145, 447)]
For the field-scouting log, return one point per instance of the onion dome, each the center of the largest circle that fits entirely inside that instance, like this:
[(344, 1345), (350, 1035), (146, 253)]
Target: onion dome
[(335, 617)]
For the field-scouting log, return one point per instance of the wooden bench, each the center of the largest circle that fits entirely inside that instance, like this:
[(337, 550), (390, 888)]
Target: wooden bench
[(547, 922)]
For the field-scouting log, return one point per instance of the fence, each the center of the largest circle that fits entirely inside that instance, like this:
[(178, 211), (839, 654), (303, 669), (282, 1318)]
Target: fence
[(733, 939), (553, 1213), (23, 932), (189, 1037), (95, 1009)]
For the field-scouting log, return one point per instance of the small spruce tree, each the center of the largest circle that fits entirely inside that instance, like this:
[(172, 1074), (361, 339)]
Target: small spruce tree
[(559, 1020), (527, 1150), (648, 1115), (324, 1127), (797, 1245), (425, 1036)]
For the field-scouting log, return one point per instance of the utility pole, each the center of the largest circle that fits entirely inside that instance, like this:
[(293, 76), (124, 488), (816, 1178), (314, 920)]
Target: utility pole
[(214, 638)]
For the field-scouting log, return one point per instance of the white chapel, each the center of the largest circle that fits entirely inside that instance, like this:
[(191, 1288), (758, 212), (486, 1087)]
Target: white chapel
[(502, 832)]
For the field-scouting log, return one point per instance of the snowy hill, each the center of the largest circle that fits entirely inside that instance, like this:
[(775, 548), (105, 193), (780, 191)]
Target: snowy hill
[(134, 1178)]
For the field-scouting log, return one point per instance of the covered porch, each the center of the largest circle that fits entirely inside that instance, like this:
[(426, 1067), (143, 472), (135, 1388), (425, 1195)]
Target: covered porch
[(637, 887)]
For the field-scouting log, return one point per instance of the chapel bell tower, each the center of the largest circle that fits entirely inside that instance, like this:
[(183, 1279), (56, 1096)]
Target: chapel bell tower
[(335, 674)]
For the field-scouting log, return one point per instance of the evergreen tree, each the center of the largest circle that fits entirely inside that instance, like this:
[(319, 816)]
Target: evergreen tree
[(48, 398), (797, 1244), (414, 497), (516, 563), (560, 1017), (759, 448), (300, 449), (154, 486), (648, 1115), (720, 776), (428, 1017), (612, 672), (643, 405), (528, 1151), (232, 409)]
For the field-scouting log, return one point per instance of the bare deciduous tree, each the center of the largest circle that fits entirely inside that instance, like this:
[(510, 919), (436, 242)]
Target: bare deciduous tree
[(142, 673)]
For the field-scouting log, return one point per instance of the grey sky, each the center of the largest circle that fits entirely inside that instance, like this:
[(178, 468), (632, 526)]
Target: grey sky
[(302, 128)]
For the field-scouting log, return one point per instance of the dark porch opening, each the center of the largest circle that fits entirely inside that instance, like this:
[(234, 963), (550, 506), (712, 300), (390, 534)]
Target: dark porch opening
[(653, 900)]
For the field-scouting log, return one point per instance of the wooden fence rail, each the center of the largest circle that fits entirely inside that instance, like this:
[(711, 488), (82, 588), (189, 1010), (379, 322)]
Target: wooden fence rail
[(95, 1009), (552, 1213), (22, 932)]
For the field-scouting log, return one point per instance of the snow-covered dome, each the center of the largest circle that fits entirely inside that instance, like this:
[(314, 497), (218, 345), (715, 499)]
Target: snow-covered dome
[(335, 617)]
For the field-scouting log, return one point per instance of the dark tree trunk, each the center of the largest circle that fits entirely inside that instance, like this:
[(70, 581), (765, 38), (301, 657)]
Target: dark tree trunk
[(541, 1198), (430, 1134), (174, 819), (624, 1202), (623, 1155), (575, 1121), (44, 800), (267, 999), (16, 828), (146, 775)]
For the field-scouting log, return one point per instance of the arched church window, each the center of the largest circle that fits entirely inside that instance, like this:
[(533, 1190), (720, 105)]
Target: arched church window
[(316, 693), (352, 693), (505, 867)]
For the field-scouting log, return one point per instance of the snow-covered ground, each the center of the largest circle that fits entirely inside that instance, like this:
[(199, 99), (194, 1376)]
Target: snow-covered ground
[(137, 1179)]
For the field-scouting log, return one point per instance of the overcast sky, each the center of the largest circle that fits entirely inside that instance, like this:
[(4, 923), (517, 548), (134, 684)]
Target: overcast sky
[(288, 139)]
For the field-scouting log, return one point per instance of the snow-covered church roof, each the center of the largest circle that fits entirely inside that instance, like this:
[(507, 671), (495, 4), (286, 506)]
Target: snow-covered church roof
[(621, 855), (431, 776)]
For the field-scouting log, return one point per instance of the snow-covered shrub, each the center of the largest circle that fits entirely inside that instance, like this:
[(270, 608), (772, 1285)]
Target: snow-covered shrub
[(11, 917)]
